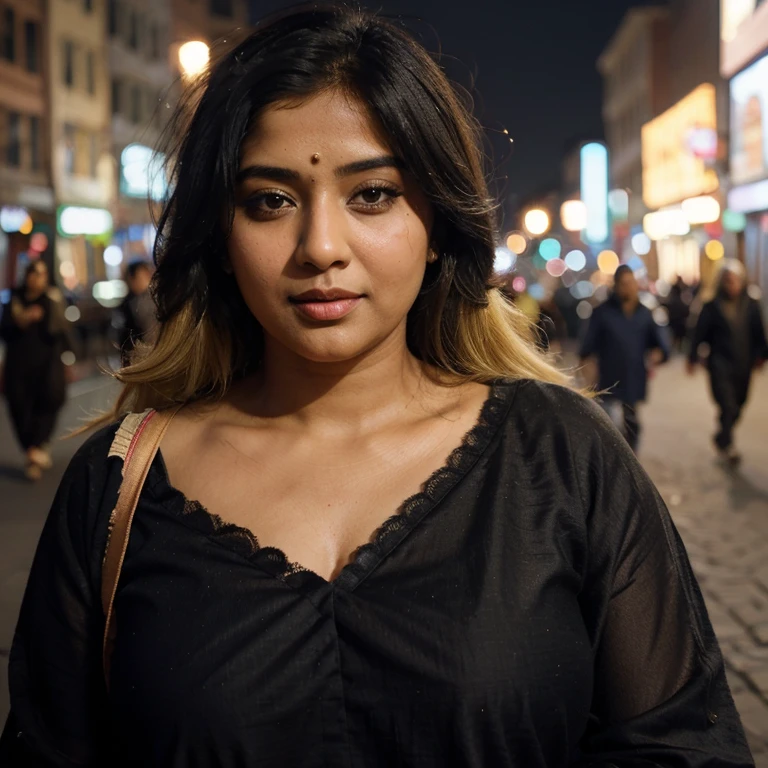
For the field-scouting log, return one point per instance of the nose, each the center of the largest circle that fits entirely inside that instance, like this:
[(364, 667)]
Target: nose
[(324, 236)]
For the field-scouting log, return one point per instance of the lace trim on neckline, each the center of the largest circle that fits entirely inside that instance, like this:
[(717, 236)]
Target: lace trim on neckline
[(393, 530)]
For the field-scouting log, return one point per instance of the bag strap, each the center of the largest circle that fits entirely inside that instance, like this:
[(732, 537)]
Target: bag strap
[(137, 441)]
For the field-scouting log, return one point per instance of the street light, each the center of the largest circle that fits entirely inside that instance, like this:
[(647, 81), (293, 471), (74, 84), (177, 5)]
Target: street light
[(194, 57), (536, 221)]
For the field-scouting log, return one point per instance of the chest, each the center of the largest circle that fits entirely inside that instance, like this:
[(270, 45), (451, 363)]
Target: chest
[(316, 503)]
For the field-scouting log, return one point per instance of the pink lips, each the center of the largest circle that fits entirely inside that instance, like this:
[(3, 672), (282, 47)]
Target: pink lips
[(324, 305)]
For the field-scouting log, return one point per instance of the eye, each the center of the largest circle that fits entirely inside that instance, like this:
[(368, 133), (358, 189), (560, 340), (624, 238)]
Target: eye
[(267, 203), (375, 197)]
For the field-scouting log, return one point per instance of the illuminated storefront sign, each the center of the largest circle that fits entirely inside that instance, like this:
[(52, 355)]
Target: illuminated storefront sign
[(142, 173), (749, 132), (74, 220), (743, 33), (671, 170), (594, 192)]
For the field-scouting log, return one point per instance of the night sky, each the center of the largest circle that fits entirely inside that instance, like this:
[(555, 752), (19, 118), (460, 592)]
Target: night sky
[(532, 63)]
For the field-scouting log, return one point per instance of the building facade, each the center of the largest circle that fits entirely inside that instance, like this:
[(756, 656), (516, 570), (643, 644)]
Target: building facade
[(744, 61), (82, 166), (633, 67), (26, 198), (141, 97)]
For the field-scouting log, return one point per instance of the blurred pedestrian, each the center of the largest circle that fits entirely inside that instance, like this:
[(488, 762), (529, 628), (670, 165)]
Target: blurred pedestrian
[(678, 306), (381, 529), (731, 325), (627, 342), (35, 331), (135, 318)]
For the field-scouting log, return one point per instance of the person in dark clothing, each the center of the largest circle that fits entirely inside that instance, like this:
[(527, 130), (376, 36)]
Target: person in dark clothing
[(732, 326), (135, 317), (381, 530), (678, 308), (35, 331), (625, 339)]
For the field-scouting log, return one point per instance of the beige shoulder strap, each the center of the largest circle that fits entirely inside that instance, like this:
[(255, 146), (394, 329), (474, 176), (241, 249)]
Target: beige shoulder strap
[(136, 442)]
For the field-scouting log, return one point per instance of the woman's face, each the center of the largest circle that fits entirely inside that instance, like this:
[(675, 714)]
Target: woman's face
[(330, 237)]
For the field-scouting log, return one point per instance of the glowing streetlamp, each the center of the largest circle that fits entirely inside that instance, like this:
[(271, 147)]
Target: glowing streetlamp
[(536, 221), (194, 57)]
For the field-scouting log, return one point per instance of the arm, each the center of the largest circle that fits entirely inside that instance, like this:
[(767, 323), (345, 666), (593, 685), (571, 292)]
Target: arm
[(658, 341), (59, 709), (660, 695), (702, 333), (759, 341)]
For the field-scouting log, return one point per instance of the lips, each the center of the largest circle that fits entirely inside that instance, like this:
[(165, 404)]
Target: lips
[(317, 294), (326, 305)]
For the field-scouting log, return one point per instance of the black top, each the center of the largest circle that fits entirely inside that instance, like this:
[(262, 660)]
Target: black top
[(620, 342), (532, 607), (715, 329)]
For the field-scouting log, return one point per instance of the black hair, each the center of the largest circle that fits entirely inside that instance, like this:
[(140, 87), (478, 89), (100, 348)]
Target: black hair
[(135, 267), (623, 269)]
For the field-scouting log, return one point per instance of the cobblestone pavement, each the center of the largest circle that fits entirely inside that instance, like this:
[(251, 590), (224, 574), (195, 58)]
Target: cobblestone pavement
[(722, 516)]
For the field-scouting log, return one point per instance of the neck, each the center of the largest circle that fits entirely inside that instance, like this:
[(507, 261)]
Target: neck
[(373, 389)]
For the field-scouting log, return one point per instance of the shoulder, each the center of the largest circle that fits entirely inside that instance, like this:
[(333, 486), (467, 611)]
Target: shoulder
[(558, 423)]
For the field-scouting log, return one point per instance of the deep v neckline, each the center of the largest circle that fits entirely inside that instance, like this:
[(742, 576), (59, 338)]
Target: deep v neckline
[(363, 560)]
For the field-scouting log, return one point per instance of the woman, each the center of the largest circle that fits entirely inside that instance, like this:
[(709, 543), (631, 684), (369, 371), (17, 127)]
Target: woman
[(34, 329), (329, 327), (732, 326)]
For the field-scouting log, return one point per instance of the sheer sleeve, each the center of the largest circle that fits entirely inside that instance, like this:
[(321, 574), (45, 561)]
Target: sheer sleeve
[(660, 695), (58, 697)]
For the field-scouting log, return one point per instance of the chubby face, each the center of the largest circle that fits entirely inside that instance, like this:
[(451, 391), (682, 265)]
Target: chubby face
[(330, 238)]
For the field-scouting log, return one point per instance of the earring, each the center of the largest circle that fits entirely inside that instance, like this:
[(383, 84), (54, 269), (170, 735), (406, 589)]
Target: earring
[(432, 256)]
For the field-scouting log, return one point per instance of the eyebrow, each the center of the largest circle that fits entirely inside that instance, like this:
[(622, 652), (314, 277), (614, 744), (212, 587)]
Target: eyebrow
[(275, 173)]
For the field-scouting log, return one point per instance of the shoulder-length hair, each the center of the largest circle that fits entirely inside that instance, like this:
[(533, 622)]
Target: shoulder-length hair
[(460, 323)]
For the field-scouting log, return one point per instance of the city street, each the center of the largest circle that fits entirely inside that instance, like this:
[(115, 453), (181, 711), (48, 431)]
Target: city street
[(722, 515)]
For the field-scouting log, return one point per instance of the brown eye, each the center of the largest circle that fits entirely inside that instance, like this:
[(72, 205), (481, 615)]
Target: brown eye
[(372, 196), (273, 202)]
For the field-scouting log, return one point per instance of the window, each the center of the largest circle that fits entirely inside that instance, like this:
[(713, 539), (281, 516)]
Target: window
[(93, 155), (90, 74), (8, 41), (133, 30), (222, 8), (112, 14), (13, 155), (117, 95), (88, 6), (69, 63), (70, 149), (32, 45), (154, 41), (136, 104), (34, 143)]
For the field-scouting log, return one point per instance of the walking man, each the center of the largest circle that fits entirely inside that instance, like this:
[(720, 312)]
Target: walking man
[(732, 326), (626, 341)]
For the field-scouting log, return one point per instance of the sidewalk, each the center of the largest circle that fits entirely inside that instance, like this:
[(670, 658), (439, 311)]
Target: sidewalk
[(722, 516)]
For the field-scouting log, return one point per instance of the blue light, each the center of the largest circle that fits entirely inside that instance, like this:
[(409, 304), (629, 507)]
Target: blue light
[(536, 291), (550, 249), (594, 191)]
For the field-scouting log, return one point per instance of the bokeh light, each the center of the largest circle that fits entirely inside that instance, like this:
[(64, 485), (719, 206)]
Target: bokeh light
[(193, 57), (504, 261), (701, 210), (584, 310), (38, 242), (734, 221), (715, 250), (72, 313), (556, 267), (536, 221), (618, 202), (608, 262), (550, 249), (582, 290), (538, 261), (113, 255), (519, 284), (536, 291), (641, 244), (576, 260), (26, 226), (67, 269), (517, 243), (573, 214), (661, 316)]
